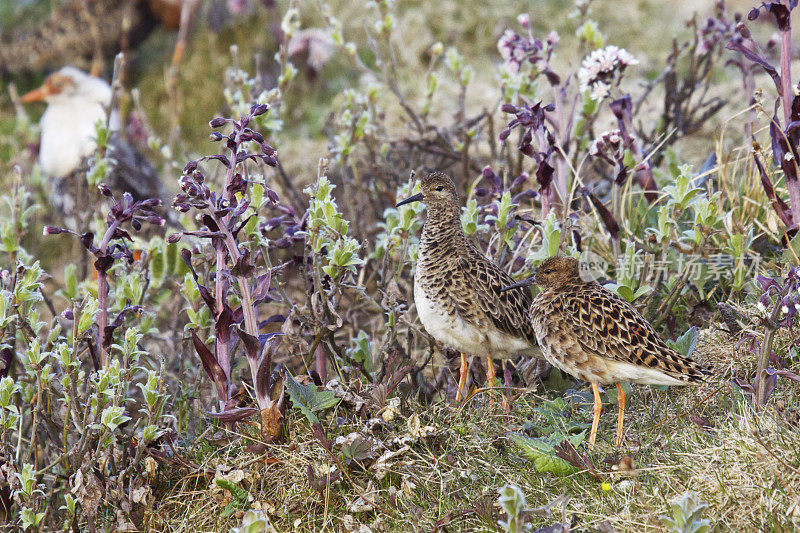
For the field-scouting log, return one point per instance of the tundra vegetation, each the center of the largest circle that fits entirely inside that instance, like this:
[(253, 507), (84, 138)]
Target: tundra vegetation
[(256, 364)]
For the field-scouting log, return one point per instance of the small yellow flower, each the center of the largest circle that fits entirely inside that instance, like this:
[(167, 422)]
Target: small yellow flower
[(606, 486)]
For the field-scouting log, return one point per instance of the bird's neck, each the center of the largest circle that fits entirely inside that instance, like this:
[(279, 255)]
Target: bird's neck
[(573, 285), (564, 287), (443, 229)]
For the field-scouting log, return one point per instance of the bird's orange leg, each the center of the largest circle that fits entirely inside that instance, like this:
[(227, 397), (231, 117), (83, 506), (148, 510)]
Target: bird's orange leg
[(598, 408), (462, 379), (490, 375), (621, 401)]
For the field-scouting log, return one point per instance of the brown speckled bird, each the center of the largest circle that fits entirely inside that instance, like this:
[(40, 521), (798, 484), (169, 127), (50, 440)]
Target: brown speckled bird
[(457, 290), (594, 335)]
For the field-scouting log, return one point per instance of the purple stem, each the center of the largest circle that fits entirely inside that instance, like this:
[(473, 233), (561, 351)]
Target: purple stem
[(248, 309), (102, 297), (548, 194), (102, 315), (223, 355), (787, 96), (546, 202), (222, 352), (561, 164), (766, 348), (786, 69)]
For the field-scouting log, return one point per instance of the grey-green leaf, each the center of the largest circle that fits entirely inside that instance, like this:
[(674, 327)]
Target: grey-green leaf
[(543, 455), (309, 399), (686, 343)]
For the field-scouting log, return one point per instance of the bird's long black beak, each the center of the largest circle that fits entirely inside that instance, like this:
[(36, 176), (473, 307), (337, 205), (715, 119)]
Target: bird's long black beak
[(517, 285), (416, 198)]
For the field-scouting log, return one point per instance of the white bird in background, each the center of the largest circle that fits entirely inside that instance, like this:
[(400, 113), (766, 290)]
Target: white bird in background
[(76, 102)]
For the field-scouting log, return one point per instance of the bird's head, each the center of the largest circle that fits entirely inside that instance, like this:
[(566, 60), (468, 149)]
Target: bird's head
[(437, 189), (70, 83), (555, 271)]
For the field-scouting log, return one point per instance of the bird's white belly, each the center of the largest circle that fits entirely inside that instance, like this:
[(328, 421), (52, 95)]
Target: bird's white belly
[(59, 158), (603, 370), (640, 374), (464, 336), (68, 133)]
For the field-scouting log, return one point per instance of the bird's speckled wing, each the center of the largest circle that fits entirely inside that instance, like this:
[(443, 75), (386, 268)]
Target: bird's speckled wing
[(605, 325), (507, 311)]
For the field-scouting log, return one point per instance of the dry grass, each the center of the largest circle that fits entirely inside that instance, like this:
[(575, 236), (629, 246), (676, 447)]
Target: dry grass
[(745, 464)]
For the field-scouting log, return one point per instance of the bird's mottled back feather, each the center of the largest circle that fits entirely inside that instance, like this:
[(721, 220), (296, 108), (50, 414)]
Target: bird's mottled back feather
[(589, 324), (507, 311)]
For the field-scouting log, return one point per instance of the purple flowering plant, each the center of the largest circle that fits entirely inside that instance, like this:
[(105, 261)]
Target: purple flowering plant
[(111, 248), (784, 134), (223, 215), (778, 308)]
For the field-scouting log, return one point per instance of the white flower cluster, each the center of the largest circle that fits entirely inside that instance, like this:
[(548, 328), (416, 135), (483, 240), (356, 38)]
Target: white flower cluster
[(598, 69)]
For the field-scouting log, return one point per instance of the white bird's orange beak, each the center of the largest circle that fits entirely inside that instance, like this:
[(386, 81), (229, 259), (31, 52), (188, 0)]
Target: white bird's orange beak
[(53, 84), (36, 95)]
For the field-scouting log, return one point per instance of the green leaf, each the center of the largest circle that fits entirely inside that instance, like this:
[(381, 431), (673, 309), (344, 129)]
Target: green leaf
[(558, 419), (87, 314), (359, 451), (542, 453), (433, 81), (158, 263), (628, 159), (240, 496), (70, 281), (30, 518), (686, 343), (257, 195), (309, 399), (623, 291), (553, 243), (231, 508), (687, 515), (641, 291)]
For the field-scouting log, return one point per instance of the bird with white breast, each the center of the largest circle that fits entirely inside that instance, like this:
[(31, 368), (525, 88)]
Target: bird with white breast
[(76, 102), (457, 290)]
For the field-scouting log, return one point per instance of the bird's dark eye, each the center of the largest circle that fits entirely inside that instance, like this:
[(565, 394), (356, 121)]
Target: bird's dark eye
[(548, 270), (440, 188)]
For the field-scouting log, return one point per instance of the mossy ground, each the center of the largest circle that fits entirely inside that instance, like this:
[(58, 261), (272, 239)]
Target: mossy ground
[(707, 439)]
